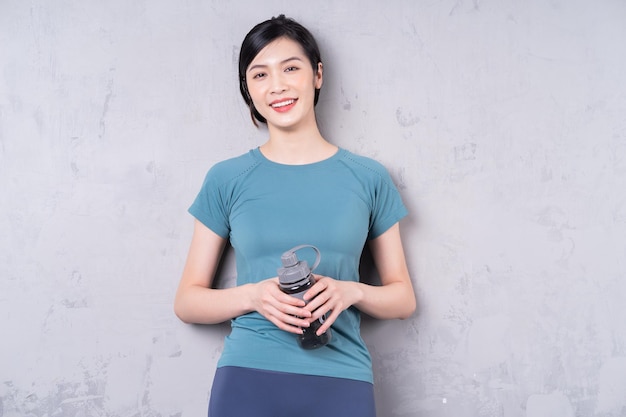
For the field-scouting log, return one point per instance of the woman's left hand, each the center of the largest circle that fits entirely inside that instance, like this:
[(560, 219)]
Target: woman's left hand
[(331, 296)]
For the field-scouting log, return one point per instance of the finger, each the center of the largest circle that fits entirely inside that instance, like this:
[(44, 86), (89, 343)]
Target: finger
[(321, 298), (288, 322), (274, 291), (327, 323), (284, 306), (286, 327), (297, 311), (316, 289), (293, 315), (289, 300), (316, 305)]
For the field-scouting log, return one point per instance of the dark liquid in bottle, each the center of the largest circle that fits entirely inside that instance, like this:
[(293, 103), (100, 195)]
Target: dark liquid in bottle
[(309, 340)]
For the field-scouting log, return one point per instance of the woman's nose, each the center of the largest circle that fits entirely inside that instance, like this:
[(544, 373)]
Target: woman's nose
[(278, 84)]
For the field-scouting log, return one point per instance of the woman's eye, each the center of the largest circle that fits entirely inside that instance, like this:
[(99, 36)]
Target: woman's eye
[(259, 75), (289, 69)]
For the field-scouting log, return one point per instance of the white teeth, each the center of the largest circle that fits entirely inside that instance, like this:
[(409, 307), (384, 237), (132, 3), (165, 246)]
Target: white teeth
[(283, 103)]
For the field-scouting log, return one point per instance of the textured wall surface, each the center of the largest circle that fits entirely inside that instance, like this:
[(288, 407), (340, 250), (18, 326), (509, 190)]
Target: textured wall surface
[(502, 122)]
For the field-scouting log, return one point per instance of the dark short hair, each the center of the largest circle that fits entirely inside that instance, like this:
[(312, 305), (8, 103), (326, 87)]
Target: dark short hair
[(263, 34)]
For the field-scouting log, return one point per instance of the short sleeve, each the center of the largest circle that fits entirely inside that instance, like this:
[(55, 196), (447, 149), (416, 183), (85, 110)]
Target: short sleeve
[(210, 206), (387, 207)]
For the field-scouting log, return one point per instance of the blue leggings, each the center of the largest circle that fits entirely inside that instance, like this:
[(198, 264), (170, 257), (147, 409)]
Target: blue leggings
[(245, 392)]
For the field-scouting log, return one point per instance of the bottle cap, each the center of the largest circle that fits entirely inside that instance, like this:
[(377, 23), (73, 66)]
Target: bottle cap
[(294, 270), (292, 274)]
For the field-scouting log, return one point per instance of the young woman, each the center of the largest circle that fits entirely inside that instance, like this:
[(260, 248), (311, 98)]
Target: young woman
[(296, 188)]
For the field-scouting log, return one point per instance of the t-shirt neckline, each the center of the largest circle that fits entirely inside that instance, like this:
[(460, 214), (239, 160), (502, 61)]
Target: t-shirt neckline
[(256, 152)]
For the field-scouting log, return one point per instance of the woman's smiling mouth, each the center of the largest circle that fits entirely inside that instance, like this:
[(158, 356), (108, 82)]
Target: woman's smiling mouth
[(283, 105)]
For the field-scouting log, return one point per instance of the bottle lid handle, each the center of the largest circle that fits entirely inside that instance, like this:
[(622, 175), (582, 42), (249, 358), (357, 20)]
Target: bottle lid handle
[(289, 258)]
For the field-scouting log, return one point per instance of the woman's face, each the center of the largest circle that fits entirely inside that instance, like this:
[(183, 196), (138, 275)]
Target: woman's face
[(282, 84)]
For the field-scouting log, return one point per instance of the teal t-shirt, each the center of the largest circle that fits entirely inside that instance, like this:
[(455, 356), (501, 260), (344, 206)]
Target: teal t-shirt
[(266, 208)]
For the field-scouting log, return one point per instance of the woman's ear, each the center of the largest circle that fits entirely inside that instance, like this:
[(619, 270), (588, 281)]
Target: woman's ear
[(319, 76)]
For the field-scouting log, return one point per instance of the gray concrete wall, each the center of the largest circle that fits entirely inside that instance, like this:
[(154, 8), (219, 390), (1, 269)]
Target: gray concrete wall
[(502, 122)]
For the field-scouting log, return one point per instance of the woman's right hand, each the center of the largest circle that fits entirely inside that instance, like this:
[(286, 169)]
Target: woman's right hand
[(285, 311)]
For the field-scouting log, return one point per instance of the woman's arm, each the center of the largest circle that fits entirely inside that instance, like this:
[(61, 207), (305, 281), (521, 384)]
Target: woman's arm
[(394, 298), (197, 302)]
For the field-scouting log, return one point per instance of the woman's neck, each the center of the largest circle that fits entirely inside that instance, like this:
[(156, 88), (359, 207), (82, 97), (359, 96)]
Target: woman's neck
[(297, 147)]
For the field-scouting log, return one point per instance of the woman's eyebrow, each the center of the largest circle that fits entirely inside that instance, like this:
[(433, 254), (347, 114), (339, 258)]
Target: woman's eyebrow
[(284, 61)]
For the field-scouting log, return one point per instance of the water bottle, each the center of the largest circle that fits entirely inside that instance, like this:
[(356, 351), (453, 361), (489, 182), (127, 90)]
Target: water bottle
[(295, 278)]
